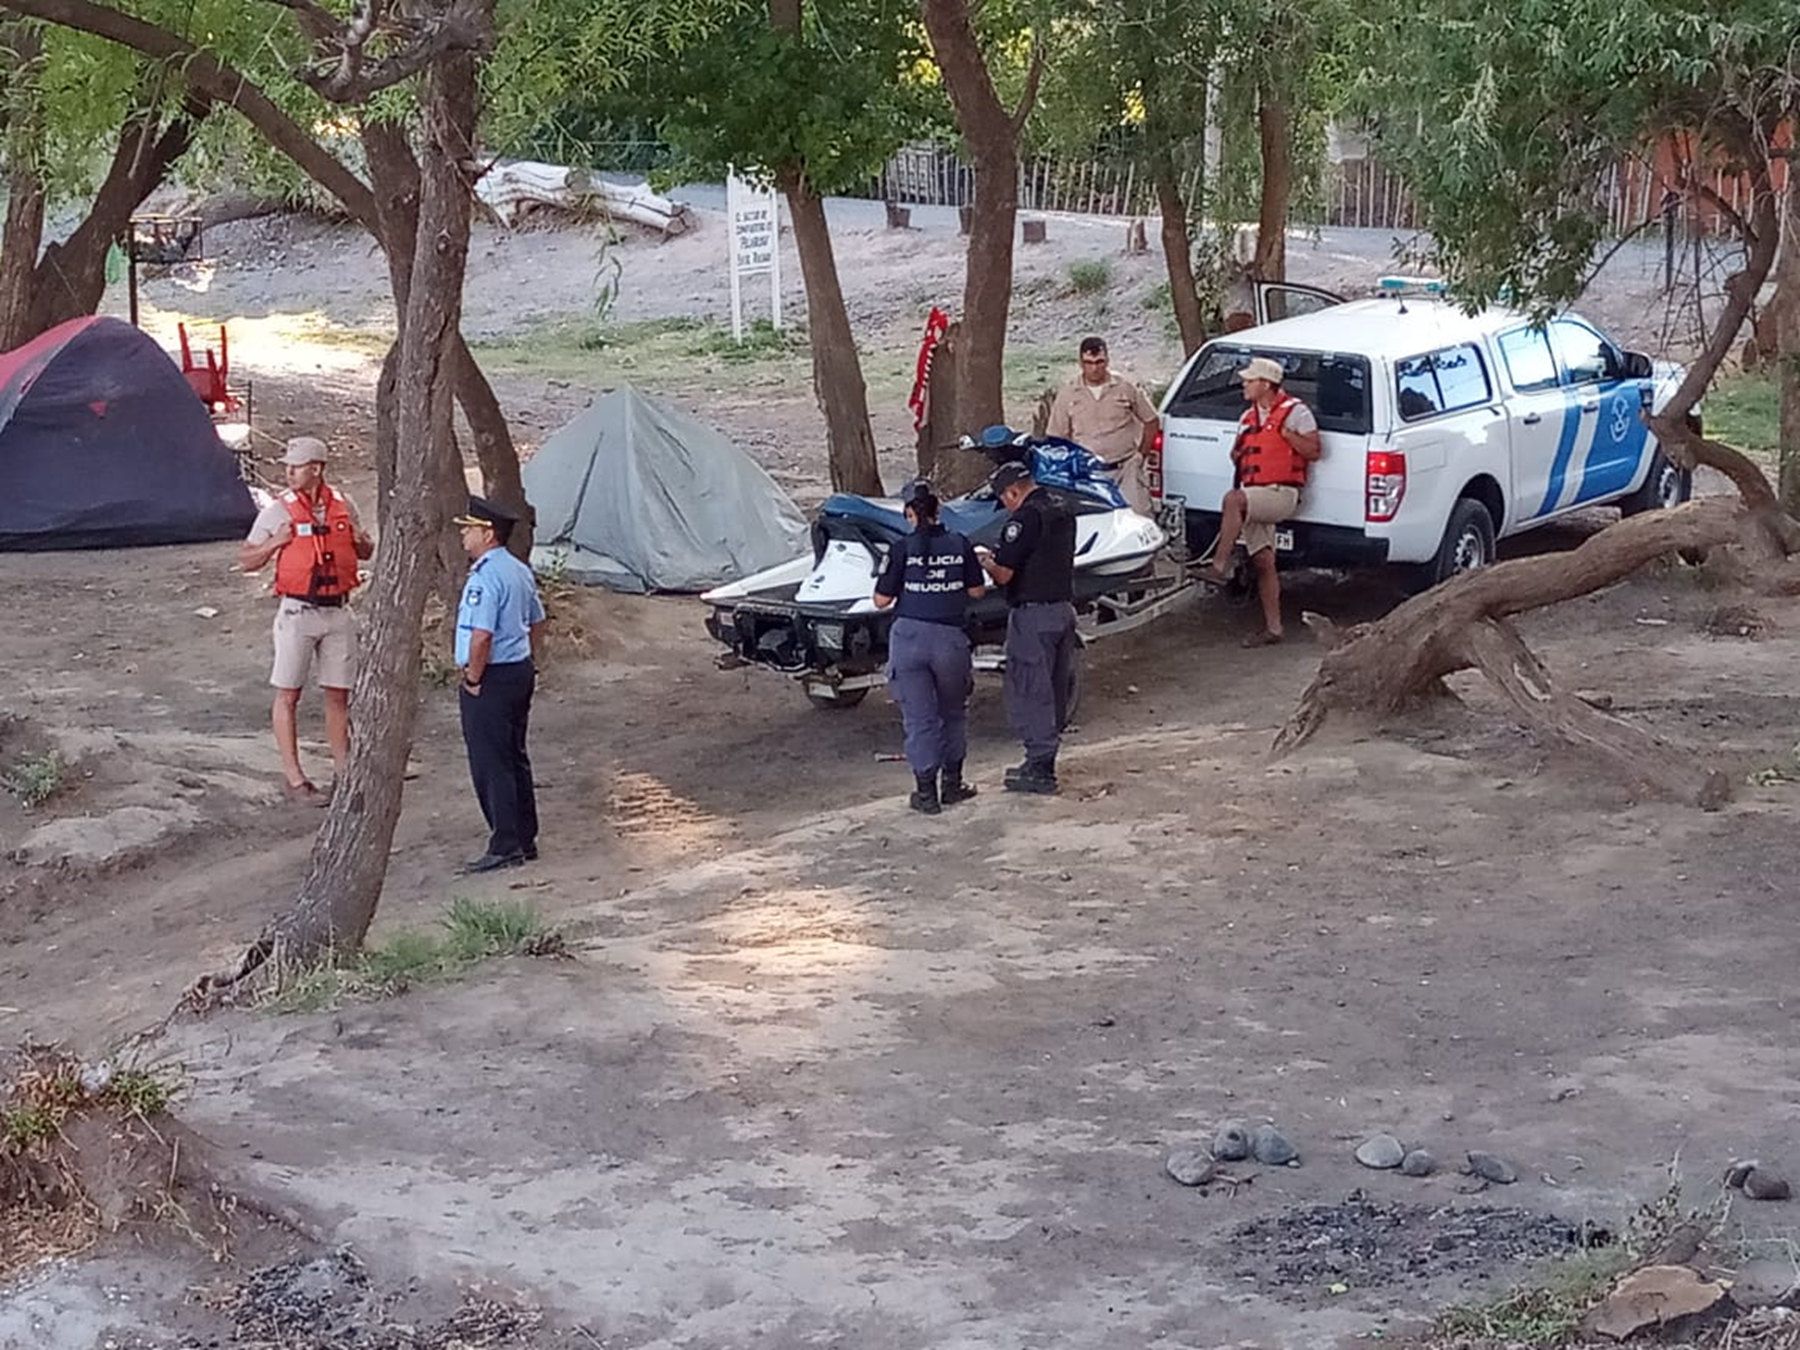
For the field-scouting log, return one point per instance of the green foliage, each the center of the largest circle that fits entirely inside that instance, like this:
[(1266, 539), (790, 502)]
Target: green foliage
[(557, 81), (1506, 120), (34, 779), (470, 931), (833, 102), (1090, 276)]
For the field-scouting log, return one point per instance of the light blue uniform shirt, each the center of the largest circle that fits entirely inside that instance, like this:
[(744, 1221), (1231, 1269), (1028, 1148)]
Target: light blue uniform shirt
[(500, 597)]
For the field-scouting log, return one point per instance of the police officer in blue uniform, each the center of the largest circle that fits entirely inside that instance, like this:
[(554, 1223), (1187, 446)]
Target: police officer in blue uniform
[(931, 576), (496, 638), (1036, 564)]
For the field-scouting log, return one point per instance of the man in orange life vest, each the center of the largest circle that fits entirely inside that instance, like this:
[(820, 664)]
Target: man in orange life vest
[(1276, 441), (313, 533)]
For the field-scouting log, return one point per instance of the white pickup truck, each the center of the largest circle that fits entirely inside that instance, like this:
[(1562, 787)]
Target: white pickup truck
[(1442, 432)]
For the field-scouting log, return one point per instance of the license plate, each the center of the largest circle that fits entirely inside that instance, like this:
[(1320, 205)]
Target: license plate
[(1284, 541)]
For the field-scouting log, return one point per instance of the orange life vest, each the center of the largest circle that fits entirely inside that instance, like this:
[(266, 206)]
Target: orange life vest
[(319, 562), (1268, 459)]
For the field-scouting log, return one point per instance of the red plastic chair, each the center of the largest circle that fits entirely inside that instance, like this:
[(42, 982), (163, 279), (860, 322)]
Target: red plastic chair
[(210, 381)]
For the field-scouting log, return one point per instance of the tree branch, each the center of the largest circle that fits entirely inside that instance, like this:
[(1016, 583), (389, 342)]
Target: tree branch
[(206, 74), (1723, 207), (1741, 289), (315, 20), (350, 81), (1034, 79)]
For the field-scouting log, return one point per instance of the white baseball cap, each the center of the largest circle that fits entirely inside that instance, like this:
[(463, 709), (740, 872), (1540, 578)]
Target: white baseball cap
[(1263, 368), (306, 450)]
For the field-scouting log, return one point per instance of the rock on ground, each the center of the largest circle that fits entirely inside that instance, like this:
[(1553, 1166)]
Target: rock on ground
[(1270, 1147), (1382, 1152)]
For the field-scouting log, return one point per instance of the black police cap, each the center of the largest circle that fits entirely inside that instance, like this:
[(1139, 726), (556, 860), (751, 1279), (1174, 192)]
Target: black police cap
[(483, 512), (1007, 475)]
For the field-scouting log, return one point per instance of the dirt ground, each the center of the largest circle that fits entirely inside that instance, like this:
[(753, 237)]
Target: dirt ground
[(823, 1072)]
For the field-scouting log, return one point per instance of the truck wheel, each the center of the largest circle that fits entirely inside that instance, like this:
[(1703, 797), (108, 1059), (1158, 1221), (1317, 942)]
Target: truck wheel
[(1468, 544), (1665, 486), (839, 701)]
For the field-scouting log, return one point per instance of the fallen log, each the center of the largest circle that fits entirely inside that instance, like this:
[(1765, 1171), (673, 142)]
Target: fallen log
[(1377, 669), (512, 190)]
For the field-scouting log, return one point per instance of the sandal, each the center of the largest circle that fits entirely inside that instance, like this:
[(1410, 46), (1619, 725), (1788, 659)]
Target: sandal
[(304, 792), (1263, 639)]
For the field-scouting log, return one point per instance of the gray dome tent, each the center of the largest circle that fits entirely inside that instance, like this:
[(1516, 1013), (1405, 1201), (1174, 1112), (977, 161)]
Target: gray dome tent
[(637, 497)]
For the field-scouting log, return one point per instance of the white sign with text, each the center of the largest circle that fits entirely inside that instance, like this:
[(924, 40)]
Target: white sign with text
[(755, 219)]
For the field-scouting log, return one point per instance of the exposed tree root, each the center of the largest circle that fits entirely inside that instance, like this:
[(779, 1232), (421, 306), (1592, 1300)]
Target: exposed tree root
[(1378, 669)]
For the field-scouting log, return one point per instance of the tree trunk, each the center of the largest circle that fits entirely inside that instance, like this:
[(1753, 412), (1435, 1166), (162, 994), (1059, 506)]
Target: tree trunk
[(394, 170), (71, 279), (495, 451), (21, 122), (1162, 135), (1274, 120), (1178, 255), (338, 897), (1786, 309), (837, 368), (951, 469), (992, 136)]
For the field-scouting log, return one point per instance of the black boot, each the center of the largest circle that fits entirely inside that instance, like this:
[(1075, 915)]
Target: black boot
[(925, 796), (954, 790), (1037, 776)]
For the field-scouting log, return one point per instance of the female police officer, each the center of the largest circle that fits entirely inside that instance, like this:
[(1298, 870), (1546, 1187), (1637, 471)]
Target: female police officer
[(930, 577)]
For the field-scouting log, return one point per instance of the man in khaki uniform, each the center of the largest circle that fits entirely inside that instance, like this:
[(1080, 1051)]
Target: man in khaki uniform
[(1109, 415), (315, 538)]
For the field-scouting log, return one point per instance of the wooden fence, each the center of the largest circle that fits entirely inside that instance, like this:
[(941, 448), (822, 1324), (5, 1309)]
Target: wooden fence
[(1358, 194)]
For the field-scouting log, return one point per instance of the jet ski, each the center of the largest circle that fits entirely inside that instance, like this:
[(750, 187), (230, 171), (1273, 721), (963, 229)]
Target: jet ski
[(813, 619)]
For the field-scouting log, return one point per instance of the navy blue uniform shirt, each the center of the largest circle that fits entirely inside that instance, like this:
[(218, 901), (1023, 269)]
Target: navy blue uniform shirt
[(928, 575), (1038, 543)]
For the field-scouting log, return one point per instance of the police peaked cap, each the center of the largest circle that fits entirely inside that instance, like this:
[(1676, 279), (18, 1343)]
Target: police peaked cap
[(1007, 475), (483, 512)]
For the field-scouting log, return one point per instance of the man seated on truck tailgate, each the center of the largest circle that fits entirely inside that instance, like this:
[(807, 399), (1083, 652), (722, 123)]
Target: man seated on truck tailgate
[(1276, 440)]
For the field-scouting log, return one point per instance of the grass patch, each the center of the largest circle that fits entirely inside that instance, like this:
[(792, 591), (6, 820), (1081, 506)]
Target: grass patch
[(1543, 1314), (477, 929), (761, 340), (48, 1086), (1090, 276), (1745, 411), (656, 353), (34, 779), (470, 931)]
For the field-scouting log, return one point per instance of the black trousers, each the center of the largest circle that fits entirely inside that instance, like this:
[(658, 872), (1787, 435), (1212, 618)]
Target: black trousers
[(494, 726)]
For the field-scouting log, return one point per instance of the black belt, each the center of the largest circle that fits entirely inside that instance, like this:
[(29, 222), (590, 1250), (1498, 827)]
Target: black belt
[(318, 601)]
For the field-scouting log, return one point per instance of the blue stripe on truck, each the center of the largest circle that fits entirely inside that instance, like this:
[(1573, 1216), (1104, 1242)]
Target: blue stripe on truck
[(1565, 450)]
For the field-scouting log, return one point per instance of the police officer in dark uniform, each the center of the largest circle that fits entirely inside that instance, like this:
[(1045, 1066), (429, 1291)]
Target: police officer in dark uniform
[(931, 576), (1036, 564), (497, 625)]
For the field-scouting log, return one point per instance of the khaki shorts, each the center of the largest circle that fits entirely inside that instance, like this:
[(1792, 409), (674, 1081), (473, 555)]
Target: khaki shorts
[(303, 631), (1267, 506)]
